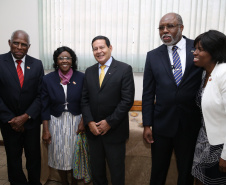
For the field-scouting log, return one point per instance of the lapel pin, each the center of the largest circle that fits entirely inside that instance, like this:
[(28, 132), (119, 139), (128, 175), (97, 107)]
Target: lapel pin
[(74, 82), (109, 73), (210, 78), (28, 67)]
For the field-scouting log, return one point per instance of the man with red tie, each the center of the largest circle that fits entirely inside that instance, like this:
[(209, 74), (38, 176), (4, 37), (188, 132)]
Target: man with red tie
[(20, 107)]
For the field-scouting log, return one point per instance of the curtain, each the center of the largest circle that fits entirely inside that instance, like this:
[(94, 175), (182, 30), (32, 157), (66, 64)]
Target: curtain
[(131, 26)]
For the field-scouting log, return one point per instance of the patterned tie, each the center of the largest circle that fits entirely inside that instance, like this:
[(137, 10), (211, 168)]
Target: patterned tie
[(177, 65), (20, 72), (102, 74)]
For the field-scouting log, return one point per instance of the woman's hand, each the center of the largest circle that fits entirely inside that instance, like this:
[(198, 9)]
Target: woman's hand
[(46, 136), (81, 127), (222, 165)]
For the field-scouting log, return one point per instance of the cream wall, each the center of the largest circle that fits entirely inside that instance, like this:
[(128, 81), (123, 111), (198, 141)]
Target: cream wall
[(23, 14)]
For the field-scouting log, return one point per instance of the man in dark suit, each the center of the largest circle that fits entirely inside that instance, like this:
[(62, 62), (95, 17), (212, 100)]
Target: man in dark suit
[(108, 94), (20, 83), (172, 80)]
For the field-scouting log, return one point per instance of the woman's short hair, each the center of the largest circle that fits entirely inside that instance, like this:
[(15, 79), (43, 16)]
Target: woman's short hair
[(59, 50), (213, 42)]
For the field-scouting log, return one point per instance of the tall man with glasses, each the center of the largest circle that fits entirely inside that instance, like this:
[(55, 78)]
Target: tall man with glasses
[(20, 107), (171, 117)]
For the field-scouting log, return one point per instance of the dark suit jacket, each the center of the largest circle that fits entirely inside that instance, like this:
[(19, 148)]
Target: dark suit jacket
[(111, 102), (15, 100), (53, 97), (174, 105)]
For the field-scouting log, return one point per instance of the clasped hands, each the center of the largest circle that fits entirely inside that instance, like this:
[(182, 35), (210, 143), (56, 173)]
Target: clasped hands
[(18, 122), (99, 128)]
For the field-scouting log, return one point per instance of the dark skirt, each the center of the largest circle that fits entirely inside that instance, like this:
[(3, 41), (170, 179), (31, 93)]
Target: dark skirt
[(206, 161)]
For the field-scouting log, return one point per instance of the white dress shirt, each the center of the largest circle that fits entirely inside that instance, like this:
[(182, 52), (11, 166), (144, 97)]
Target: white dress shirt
[(108, 63), (181, 52), (22, 63)]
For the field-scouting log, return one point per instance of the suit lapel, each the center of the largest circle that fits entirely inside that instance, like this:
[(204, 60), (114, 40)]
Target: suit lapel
[(59, 88), (27, 69), (166, 63), (9, 63), (110, 72), (189, 59), (95, 74), (71, 85)]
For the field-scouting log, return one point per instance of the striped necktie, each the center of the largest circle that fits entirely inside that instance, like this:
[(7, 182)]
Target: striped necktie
[(20, 72), (102, 74), (177, 66)]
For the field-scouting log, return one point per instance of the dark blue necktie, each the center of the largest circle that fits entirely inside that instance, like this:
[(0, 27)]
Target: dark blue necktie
[(177, 66)]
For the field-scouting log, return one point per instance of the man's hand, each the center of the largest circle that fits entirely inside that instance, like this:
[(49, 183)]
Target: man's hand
[(18, 122), (81, 127), (147, 135), (93, 128), (222, 165), (103, 127)]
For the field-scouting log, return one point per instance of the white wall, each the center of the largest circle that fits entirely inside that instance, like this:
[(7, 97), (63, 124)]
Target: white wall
[(138, 78), (22, 14)]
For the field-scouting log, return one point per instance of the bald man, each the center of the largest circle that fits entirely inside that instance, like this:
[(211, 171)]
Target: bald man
[(20, 84), (173, 122)]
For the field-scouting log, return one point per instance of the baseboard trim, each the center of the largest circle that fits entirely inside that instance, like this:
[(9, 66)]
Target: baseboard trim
[(137, 106)]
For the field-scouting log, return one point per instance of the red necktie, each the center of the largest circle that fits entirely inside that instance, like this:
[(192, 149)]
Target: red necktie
[(20, 72)]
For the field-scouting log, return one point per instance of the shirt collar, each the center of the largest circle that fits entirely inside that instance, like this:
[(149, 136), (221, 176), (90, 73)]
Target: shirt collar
[(14, 59), (180, 45), (108, 63)]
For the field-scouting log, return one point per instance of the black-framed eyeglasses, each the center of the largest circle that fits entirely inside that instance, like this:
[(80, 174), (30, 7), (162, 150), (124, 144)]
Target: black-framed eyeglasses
[(64, 58), (168, 27)]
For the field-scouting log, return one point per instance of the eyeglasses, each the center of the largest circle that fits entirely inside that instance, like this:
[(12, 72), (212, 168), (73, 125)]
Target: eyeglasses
[(22, 44), (168, 27), (64, 58)]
